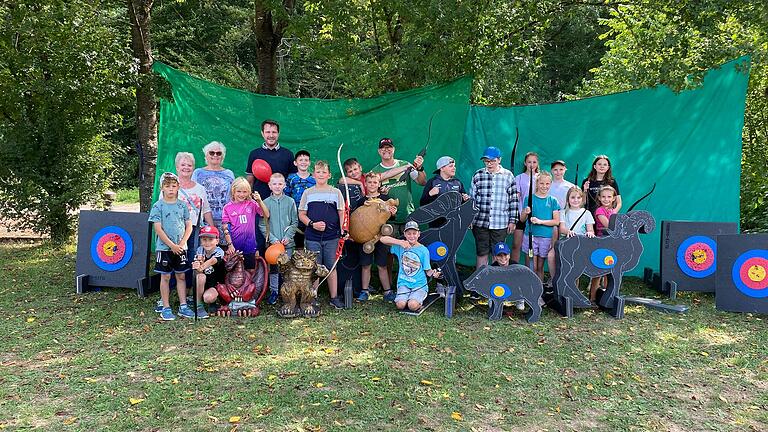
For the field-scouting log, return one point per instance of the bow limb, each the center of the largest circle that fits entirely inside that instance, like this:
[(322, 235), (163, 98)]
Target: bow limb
[(345, 219), (642, 198)]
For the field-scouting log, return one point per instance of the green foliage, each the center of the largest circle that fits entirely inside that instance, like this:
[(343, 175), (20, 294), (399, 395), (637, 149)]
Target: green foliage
[(63, 76), (674, 43)]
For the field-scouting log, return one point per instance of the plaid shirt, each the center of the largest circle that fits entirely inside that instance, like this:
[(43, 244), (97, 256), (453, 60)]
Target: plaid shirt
[(496, 198)]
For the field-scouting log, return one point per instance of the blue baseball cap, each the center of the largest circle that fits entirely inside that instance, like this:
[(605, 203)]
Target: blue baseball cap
[(491, 153), (501, 248)]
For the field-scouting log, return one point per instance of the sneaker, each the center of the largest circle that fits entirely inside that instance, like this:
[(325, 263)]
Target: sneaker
[(520, 305), (186, 312), (272, 299), (159, 306), (363, 296), (167, 314), (201, 313), (337, 303), (389, 296)]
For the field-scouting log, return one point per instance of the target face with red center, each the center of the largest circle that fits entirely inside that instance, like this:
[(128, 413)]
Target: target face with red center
[(111, 248), (697, 256), (750, 273)]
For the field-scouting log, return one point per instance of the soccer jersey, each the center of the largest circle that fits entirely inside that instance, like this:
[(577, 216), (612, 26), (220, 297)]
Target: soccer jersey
[(241, 217)]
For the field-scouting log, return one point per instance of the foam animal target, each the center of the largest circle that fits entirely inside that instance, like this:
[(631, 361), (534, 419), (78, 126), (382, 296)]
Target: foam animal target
[(443, 242), (741, 280), (612, 255)]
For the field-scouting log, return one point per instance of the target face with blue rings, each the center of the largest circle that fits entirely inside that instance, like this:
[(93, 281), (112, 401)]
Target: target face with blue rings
[(438, 251), (603, 258), (697, 256), (750, 273), (500, 291), (111, 248)]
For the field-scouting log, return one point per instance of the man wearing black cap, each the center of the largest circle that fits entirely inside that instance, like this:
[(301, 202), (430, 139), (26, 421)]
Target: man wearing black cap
[(391, 170)]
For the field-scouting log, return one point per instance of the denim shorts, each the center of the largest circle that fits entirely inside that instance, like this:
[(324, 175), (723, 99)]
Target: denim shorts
[(327, 249)]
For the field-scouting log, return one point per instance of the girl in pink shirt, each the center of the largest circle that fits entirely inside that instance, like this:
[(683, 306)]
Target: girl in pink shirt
[(607, 198), (238, 220)]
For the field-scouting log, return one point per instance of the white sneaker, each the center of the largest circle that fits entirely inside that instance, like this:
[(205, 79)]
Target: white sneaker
[(520, 305)]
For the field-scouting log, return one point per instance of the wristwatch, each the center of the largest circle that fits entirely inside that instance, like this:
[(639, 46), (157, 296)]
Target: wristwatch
[(311, 222)]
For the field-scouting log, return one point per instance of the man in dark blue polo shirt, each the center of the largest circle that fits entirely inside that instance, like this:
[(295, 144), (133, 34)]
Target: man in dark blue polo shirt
[(280, 159)]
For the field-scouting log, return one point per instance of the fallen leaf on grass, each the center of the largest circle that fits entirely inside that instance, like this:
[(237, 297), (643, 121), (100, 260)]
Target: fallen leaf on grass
[(376, 379), (31, 319), (722, 398), (590, 387), (234, 419), (426, 382), (319, 385), (457, 416), (135, 401), (704, 353), (69, 420)]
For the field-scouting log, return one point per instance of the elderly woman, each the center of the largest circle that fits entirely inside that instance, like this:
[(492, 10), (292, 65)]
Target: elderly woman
[(216, 179), (191, 193)]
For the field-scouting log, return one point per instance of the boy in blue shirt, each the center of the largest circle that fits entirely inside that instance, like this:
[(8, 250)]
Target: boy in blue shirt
[(172, 225), (414, 268)]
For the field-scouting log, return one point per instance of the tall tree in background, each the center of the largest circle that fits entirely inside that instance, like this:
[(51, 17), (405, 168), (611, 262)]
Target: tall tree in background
[(139, 14), (63, 76), (675, 43), (270, 19)]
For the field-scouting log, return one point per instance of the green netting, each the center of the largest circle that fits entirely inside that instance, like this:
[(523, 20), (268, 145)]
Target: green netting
[(202, 112), (688, 143)]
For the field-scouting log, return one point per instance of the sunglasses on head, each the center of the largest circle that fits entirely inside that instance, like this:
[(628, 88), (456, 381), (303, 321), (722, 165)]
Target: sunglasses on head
[(215, 153)]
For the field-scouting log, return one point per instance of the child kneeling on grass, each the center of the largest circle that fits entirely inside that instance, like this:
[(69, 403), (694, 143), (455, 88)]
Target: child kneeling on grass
[(414, 268), (209, 268)]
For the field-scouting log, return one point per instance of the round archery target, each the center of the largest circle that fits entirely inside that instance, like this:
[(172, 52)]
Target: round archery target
[(750, 273), (111, 248), (438, 251), (603, 258), (500, 291), (696, 256)]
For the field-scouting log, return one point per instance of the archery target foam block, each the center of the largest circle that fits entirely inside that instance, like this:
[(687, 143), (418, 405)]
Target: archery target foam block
[(112, 248), (741, 280), (689, 253)]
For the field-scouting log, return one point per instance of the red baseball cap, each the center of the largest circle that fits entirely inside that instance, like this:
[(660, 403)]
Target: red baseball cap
[(209, 231)]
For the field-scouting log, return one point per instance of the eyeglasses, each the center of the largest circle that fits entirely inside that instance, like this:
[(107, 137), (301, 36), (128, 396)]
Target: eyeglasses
[(215, 153)]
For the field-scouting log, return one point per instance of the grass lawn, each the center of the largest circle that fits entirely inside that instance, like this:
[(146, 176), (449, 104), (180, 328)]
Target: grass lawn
[(127, 196), (102, 361)]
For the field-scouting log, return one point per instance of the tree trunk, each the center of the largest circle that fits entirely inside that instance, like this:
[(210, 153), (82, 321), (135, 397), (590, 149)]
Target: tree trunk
[(146, 105), (268, 32)]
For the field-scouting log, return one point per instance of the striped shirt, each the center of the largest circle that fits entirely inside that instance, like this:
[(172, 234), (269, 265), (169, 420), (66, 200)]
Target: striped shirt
[(496, 198)]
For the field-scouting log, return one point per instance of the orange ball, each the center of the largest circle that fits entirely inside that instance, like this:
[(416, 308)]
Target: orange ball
[(272, 252)]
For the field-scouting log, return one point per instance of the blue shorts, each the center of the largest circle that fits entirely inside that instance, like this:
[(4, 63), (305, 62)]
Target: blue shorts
[(327, 249)]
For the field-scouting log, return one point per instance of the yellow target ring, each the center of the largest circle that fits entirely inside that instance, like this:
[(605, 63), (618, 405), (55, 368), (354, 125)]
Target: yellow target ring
[(756, 273), (498, 291), (608, 260), (442, 250), (109, 248)]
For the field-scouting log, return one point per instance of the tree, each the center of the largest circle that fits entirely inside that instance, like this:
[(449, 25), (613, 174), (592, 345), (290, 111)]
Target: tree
[(62, 77), (139, 14), (270, 18), (675, 43)]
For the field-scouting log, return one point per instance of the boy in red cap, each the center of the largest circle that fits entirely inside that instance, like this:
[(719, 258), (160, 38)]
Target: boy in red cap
[(209, 268)]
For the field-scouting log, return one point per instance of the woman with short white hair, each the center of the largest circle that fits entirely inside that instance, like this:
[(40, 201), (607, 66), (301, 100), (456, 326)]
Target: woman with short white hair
[(216, 179), (192, 193)]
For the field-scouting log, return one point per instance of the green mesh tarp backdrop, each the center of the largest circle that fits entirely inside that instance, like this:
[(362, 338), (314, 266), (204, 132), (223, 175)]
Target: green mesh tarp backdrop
[(688, 143), (202, 112)]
